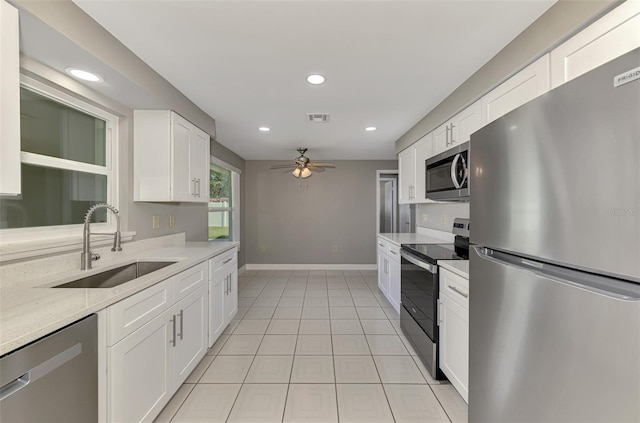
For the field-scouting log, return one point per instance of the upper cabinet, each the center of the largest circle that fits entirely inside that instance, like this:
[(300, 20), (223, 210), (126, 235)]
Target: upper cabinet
[(171, 158), (411, 176), (9, 101), (457, 130), (526, 85), (613, 35)]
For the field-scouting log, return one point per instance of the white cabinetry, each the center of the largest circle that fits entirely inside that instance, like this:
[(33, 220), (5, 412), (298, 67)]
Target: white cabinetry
[(155, 340), (611, 36), (453, 320), (389, 271), (524, 86), (457, 130), (411, 173), (223, 292), (9, 101), (171, 158)]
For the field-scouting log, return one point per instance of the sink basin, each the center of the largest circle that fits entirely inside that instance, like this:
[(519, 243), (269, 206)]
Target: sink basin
[(117, 276)]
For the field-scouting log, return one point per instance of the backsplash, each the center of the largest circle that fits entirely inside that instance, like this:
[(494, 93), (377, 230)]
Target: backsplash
[(440, 215), (15, 273)]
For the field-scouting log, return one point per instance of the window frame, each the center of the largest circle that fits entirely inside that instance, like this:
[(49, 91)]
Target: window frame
[(235, 200), (110, 170)]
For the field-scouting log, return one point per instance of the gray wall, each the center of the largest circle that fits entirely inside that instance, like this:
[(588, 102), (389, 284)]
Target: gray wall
[(73, 23), (300, 224), (562, 20)]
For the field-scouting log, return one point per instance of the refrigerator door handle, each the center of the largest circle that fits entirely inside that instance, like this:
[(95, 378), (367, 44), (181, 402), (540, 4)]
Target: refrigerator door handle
[(610, 287)]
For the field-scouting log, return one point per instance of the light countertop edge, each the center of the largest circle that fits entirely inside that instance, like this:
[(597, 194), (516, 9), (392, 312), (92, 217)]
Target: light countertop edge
[(29, 311), (459, 267)]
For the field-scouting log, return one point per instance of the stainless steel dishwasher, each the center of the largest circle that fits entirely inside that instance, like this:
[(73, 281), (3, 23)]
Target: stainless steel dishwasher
[(54, 379)]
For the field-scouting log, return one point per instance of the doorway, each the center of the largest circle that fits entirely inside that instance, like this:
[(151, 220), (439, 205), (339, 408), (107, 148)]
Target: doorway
[(391, 216)]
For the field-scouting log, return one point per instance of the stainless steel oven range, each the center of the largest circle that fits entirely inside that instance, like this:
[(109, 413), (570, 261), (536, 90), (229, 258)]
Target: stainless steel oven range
[(419, 292)]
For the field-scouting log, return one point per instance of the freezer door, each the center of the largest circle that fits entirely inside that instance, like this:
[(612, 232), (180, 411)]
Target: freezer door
[(546, 346), (558, 178)]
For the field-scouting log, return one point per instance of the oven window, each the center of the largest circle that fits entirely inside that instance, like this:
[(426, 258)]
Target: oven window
[(419, 296)]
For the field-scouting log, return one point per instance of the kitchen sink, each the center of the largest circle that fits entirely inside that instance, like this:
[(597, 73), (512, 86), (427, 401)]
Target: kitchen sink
[(117, 276)]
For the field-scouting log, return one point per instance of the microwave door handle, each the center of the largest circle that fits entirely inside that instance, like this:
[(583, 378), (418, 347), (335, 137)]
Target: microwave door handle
[(466, 171), (454, 176)]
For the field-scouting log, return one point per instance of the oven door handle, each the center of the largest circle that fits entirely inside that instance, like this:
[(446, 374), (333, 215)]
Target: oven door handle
[(415, 260)]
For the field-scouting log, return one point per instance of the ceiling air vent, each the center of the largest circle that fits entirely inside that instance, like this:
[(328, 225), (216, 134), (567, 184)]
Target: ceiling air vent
[(318, 117)]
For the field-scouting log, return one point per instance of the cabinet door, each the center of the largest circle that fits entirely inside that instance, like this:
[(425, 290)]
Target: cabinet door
[(405, 176), (231, 299), (139, 381), (454, 344), (611, 36), (441, 139), (464, 124), (199, 164), (526, 85), (183, 184), (191, 333), (394, 283), (383, 278), (216, 308), (9, 101), (422, 150)]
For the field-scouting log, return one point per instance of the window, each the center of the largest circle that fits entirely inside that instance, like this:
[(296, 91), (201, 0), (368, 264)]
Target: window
[(67, 162), (223, 202)]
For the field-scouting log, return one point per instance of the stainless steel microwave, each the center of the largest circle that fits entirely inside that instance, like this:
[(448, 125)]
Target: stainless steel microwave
[(447, 175)]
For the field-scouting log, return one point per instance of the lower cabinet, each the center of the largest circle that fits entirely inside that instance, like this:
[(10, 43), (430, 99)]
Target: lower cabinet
[(223, 292), (389, 271), (454, 330), (147, 365)]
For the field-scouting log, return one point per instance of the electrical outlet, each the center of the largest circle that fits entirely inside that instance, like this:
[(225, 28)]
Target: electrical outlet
[(263, 248), (425, 217), (156, 222), (443, 219), (172, 220), (334, 248)]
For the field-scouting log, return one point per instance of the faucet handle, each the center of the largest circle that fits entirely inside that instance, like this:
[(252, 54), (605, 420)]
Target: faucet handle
[(95, 257)]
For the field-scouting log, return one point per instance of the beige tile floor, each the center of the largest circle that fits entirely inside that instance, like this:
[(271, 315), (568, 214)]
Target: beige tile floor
[(313, 346)]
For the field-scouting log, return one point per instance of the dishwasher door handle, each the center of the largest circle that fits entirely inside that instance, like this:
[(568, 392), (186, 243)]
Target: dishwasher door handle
[(40, 370), (14, 386)]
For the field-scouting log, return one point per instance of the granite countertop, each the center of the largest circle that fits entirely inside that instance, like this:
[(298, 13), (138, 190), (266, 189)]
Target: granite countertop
[(32, 309), (459, 267)]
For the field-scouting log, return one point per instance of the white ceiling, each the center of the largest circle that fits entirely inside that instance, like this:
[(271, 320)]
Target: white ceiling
[(387, 63)]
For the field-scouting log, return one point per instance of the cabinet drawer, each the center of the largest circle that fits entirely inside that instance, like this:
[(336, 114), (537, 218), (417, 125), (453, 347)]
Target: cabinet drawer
[(133, 312), (382, 244), (218, 262), (191, 279), (455, 286), (394, 252)]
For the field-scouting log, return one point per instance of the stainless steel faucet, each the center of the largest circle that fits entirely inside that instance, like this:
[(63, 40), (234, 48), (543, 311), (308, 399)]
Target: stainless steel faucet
[(87, 256)]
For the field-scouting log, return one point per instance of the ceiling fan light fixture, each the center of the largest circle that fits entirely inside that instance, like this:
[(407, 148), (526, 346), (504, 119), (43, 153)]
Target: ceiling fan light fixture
[(305, 173), (296, 172), (315, 79)]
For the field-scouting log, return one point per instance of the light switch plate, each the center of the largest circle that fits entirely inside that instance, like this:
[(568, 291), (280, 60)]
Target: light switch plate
[(172, 220), (156, 222)]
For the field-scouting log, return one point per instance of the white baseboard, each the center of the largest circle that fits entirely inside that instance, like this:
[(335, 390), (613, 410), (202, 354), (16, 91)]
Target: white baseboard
[(310, 267)]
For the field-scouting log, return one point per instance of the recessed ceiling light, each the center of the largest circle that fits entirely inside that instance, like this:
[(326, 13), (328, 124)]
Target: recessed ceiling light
[(370, 128), (264, 129), (315, 79), (84, 75)]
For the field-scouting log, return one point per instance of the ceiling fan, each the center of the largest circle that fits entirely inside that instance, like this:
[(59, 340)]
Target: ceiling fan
[(303, 166)]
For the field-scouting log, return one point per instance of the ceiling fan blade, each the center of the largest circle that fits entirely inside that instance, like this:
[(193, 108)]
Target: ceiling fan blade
[(284, 166), (316, 169), (323, 164)]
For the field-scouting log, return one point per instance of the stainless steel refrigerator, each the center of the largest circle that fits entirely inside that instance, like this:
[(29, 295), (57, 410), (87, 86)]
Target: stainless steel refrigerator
[(555, 273)]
